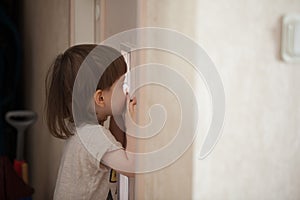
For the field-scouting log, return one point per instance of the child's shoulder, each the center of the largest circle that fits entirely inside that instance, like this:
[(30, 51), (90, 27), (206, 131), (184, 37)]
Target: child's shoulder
[(96, 139), (92, 129), (96, 132)]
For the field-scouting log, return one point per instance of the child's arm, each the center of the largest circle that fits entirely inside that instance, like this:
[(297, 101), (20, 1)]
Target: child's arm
[(116, 131), (122, 160)]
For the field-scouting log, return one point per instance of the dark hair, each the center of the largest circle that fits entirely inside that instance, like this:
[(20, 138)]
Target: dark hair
[(61, 78)]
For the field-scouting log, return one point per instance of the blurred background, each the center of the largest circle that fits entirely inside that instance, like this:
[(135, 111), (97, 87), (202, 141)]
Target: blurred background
[(258, 154)]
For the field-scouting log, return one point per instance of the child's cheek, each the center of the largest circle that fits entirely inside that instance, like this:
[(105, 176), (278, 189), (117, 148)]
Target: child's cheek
[(118, 103)]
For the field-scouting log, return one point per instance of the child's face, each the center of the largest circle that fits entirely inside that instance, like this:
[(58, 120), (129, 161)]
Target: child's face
[(116, 99)]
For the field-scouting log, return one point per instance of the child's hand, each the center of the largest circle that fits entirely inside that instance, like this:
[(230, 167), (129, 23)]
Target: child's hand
[(130, 117), (132, 108)]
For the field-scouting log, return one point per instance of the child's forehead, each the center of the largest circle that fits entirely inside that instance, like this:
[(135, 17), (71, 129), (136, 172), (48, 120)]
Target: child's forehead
[(121, 79)]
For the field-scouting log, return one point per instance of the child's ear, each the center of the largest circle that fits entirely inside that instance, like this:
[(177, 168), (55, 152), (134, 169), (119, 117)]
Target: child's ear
[(98, 98)]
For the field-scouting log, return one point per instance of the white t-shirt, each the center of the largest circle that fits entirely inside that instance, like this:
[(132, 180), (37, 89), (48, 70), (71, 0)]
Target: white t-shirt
[(80, 175)]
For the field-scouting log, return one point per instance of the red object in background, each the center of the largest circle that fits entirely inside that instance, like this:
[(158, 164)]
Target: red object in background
[(11, 185), (18, 167)]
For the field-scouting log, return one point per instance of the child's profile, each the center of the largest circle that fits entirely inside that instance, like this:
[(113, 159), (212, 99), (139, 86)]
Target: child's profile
[(83, 89)]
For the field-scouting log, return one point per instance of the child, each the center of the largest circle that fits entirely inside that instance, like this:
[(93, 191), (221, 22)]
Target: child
[(90, 150)]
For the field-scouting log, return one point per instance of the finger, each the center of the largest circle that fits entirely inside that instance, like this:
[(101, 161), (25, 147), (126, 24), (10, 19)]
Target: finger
[(133, 101), (132, 104), (131, 109), (127, 98)]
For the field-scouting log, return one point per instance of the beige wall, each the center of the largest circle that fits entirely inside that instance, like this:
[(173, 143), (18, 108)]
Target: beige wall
[(119, 16), (45, 34), (173, 181), (258, 154)]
